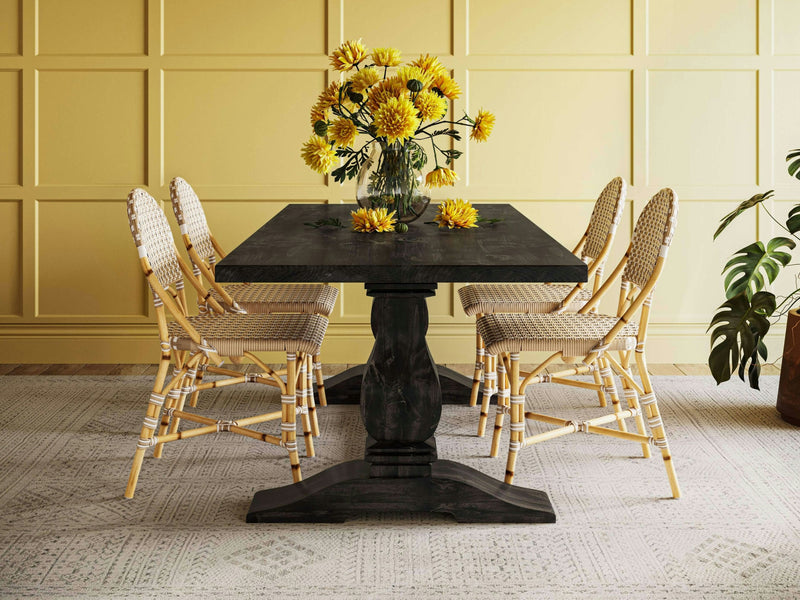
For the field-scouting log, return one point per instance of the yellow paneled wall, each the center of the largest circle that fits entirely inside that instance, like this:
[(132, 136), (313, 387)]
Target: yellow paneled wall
[(101, 96)]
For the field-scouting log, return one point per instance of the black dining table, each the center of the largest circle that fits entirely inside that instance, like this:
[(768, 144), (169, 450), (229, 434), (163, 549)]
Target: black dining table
[(401, 388)]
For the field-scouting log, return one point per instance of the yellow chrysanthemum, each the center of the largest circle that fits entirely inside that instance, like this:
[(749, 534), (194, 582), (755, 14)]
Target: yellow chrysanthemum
[(386, 57), (484, 123), (456, 213), (431, 106), (382, 91), (447, 86), (348, 55), (430, 64), (328, 98), (441, 177), (407, 73), (396, 119), (364, 78), (368, 220), (343, 132), (318, 154)]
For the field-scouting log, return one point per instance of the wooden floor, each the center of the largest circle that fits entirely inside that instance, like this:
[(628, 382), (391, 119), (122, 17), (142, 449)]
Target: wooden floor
[(332, 369)]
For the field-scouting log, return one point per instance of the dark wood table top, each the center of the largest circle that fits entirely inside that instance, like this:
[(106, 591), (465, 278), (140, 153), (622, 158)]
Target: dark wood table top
[(286, 250)]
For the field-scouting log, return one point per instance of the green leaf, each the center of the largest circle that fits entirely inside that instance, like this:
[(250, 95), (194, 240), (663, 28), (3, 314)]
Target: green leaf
[(739, 325), (728, 219), (754, 265), (793, 222), (794, 165)]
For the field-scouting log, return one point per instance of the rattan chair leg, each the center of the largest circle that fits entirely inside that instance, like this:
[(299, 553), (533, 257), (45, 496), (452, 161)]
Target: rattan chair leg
[(632, 397), (610, 391), (309, 391), (150, 421), (598, 380), (323, 400), (650, 408), (517, 418), (201, 371), (288, 416), (480, 357), (503, 403), (489, 389), (302, 404)]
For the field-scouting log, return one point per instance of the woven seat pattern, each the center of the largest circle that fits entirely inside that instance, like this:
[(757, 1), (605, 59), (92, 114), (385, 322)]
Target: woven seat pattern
[(486, 298), (606, 215), (152, 236), (652, 236), (572, 334), (279, 297), (233, 335), (190, 216)]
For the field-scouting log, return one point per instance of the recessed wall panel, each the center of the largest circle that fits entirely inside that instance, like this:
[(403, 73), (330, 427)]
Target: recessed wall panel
[(554, 128), (412, 26), (240, 27), (707, 27), (10, 257), (91, 128), (549, 27), (90, 27), (690, 287), (87, 261), (10, 114), (702, 127), (786, 38), (239, 127), (9, 27), (786, 133)]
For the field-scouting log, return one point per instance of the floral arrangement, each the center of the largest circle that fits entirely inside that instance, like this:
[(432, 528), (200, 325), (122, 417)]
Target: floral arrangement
[(393, 105)]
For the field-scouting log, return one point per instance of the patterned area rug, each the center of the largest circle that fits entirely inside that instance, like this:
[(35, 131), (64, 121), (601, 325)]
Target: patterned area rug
[(66, 532)]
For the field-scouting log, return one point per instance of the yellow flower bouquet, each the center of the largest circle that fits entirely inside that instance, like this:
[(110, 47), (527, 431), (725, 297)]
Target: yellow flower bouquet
[(397, 109)]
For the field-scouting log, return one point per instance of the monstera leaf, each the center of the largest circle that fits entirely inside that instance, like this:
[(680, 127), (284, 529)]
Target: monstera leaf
[(754, 201), (753, 264), (793, 222), (793, 158), (739, 326)]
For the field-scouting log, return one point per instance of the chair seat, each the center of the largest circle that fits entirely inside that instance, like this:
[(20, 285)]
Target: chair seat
[(233, 335), (570, 333), (262, 298), (488, 298)]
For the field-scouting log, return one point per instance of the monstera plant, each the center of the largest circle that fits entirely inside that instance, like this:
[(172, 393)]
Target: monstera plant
[(743, 320)]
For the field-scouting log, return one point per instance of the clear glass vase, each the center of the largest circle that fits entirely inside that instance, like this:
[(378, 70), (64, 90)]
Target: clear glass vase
[(388, 179)]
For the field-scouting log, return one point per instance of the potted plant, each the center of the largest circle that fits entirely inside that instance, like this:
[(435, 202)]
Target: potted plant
[(742, 321)]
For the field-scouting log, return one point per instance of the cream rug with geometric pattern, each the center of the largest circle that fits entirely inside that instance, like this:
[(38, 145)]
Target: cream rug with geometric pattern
[(66, 532)]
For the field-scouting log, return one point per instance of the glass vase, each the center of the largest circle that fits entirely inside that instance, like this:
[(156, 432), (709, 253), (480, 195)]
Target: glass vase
[(388, 179)]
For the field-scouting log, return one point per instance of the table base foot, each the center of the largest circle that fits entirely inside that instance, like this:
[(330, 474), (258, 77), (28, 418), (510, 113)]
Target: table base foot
[(347, 491)]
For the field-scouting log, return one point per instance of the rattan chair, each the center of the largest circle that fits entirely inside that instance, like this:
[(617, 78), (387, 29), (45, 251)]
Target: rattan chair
[(198, 344), (481, 299), (204, 250), (592, 337)]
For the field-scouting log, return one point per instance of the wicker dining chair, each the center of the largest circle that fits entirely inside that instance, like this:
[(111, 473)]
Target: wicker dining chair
[(481, 299), (204, 250), (592, 337), (198, 344)]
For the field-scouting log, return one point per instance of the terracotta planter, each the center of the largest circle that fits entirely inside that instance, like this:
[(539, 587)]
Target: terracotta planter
[(789, 387)]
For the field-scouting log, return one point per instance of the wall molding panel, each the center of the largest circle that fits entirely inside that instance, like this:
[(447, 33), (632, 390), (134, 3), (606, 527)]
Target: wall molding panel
[(698, 95)]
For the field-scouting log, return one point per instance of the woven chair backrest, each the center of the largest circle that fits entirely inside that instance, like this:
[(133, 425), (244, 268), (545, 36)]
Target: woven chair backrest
[(153, 237), (652, 236), (605, 218), (191, 218)]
